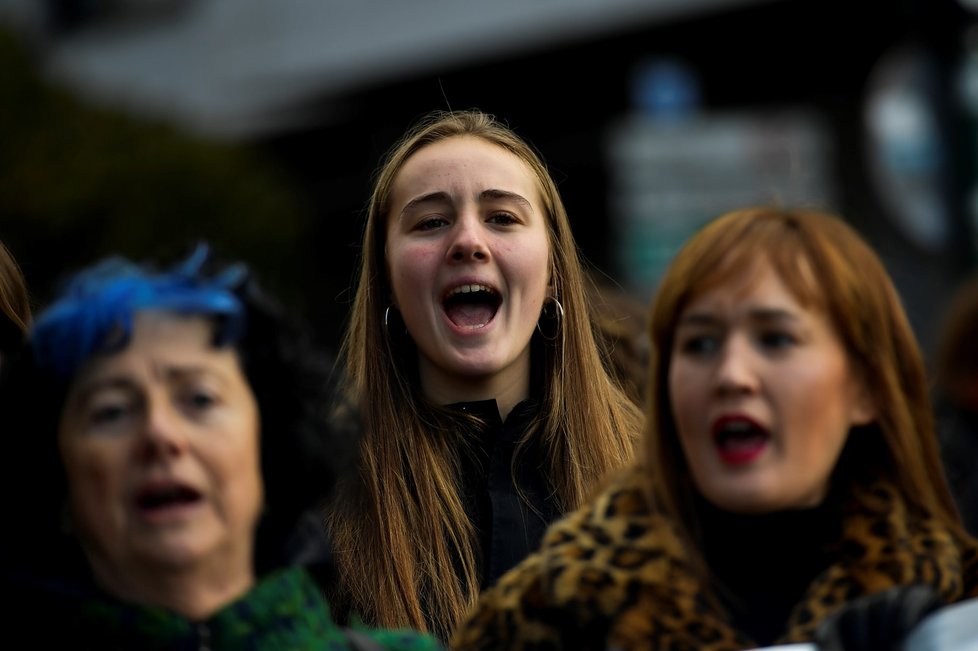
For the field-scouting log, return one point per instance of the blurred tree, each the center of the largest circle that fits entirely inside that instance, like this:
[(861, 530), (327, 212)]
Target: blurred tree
[(78, 183)]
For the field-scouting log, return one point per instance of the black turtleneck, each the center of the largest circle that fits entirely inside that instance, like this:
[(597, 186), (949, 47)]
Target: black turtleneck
[(763, 564), (510, 512)]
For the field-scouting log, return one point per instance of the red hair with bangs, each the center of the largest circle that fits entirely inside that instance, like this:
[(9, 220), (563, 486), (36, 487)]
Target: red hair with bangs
[(828, 267)]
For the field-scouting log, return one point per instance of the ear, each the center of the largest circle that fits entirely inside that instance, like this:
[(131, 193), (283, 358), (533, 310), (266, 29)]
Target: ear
[(862, 411)]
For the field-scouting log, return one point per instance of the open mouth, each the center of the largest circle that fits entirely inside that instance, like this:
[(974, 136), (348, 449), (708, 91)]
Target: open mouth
[(739, 439), (471, 306), (156, 499)]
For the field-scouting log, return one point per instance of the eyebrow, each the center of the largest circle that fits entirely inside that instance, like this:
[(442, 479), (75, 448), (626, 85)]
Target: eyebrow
[(485, 195), (504, 194), (431, 197), (125, 383), (757, 314)]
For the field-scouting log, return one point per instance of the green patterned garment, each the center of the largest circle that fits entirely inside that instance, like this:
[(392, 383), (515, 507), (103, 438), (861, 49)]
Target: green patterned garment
[(285, 611)]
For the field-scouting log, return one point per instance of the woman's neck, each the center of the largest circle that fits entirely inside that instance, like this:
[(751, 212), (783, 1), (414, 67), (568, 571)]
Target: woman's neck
[(507, 387), (762, 564), (196, 592)]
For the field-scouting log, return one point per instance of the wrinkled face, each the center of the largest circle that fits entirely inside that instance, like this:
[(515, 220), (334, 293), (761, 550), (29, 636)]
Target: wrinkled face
[(468, 255), (762, 394), (160, 448)]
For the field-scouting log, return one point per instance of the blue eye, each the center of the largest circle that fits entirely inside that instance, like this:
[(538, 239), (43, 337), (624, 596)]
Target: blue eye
[(502, 218), (108, 414), (700, 344), (200, 400), (431, 223), (777, 339)]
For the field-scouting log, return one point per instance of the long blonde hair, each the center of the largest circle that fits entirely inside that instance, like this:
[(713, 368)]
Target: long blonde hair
[(405, 548), (849, 283)]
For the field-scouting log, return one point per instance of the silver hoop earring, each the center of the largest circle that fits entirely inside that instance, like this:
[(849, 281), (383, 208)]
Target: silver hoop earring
[(387, 313), (560, 316), (560, 308)]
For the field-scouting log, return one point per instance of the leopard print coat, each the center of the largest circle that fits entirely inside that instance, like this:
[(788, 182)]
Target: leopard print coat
[(614, 575)]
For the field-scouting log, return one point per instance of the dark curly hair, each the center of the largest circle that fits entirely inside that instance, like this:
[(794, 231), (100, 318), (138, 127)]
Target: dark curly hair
[(303, 447)]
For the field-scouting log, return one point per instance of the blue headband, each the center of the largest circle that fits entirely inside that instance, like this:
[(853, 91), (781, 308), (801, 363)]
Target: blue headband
[(95, 311)]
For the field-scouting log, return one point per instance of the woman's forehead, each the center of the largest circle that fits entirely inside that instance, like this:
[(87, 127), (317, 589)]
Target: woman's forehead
[(742, 273), (179, 338)]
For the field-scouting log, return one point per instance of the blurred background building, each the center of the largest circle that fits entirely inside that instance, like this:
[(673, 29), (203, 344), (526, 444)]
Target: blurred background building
[(141, 125)]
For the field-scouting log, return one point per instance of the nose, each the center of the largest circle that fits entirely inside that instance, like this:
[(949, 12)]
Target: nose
[(469, 240), (164, 433), (736, 372)]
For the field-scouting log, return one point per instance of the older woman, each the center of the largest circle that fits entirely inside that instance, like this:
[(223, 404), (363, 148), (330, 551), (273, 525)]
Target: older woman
[(791, 462), (167, 434)]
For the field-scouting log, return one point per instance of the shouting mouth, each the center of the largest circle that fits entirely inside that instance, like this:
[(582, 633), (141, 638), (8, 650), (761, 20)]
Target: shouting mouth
[(739, 440), (166, 500), (471, 306)]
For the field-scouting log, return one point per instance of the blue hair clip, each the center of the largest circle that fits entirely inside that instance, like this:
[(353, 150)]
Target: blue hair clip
[(95, 311)]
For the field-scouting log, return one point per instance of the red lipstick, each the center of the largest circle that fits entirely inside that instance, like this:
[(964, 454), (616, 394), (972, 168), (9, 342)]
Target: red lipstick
[(739, 439)]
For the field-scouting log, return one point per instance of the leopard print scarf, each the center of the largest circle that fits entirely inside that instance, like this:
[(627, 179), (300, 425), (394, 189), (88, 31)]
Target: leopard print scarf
[(613, 575)]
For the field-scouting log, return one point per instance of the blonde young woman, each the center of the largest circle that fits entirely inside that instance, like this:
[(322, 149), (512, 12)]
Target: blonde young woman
[(471, 354), (791, 464)]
